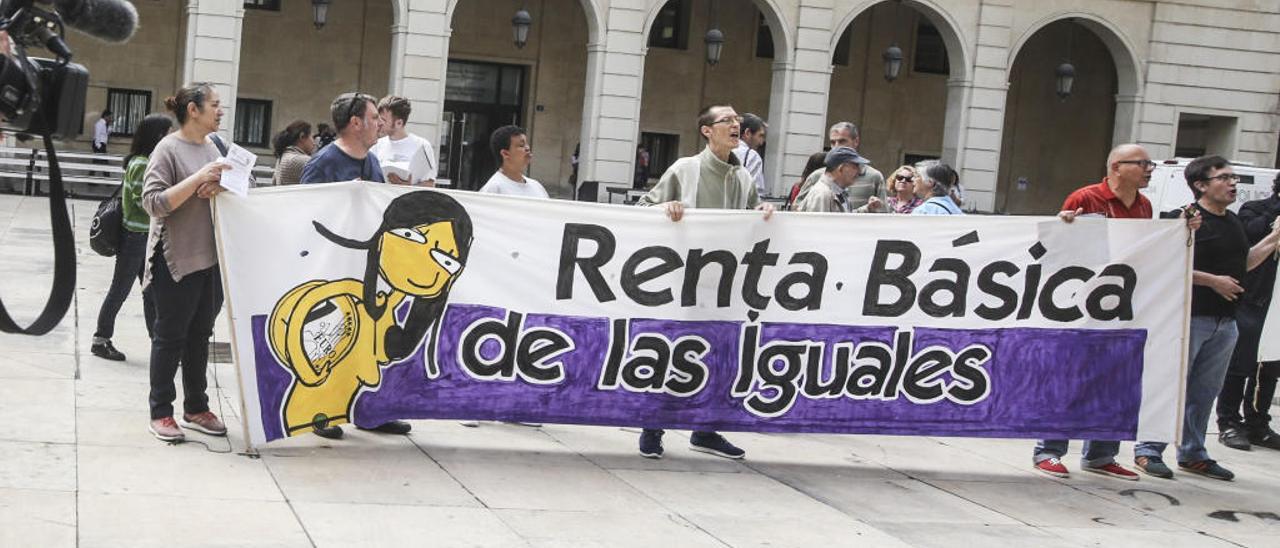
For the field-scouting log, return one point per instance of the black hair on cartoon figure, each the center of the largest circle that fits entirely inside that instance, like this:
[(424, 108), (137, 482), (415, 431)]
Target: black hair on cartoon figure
[(408, 211)]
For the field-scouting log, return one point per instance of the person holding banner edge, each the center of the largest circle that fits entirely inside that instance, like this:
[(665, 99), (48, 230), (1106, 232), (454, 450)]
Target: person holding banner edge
[(183, 174), (1222, 258), (1251, 384), (712, 179), (1117, 196)]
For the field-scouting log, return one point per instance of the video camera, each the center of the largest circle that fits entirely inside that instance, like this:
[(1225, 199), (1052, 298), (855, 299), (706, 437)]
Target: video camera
[(39, 96), (46, 97)]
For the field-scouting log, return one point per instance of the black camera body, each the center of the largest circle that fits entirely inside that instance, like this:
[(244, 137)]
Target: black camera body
[(39, 96)]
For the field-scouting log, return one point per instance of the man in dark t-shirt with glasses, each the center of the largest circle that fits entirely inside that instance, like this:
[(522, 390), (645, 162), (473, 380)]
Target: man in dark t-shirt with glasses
[(1222, 257)]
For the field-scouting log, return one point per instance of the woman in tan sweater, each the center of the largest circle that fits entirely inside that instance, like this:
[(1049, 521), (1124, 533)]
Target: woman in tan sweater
[(182, 273)]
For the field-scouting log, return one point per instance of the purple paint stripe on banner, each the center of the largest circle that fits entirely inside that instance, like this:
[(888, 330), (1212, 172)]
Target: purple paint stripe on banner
[(1018, 382)]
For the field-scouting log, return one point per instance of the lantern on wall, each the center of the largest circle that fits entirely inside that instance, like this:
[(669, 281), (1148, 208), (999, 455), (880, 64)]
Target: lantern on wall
[(520, 25), (715, 45), (320, 12), (1066, 76), (892, 62)]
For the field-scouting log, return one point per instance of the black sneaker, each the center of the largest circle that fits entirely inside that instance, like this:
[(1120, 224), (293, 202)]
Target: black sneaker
[(715, 444), (1153, 466), (651, 443), (1265, 438), (1208, 468), (1234, 437), (399, 428), (105, 351), (329, 432)]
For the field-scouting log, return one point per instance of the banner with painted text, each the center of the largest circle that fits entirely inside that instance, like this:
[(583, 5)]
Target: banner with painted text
[(358, 302)]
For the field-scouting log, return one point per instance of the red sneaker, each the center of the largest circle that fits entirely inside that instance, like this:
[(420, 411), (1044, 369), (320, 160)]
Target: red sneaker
[(1053, 467), (205, 422), (166, 430), (1114, 470)]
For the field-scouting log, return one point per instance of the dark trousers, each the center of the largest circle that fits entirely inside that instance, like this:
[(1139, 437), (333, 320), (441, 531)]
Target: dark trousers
[(129, 262), (1249, 387), (185, 311)]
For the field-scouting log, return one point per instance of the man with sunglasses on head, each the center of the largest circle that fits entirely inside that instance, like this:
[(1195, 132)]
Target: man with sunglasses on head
[(1117, 196), (868, 193), (713, 179), (1222, 258), (355, 116)]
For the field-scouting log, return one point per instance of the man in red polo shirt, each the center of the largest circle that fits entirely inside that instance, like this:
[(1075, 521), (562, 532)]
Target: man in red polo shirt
[(1129, 169)]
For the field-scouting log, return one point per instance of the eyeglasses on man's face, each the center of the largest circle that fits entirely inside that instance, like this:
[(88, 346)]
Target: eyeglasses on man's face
[(1144, 164), (728, 120), (1225, 178)]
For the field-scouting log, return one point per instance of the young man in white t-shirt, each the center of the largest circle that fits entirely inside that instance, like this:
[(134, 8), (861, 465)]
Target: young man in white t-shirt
[(405, 158), (510, 146)]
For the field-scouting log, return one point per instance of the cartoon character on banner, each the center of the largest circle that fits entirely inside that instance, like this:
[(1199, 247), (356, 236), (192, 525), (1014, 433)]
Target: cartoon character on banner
[(336, 335)]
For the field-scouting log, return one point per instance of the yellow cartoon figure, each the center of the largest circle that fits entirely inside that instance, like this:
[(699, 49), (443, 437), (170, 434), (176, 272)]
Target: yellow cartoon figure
[(335, 336)]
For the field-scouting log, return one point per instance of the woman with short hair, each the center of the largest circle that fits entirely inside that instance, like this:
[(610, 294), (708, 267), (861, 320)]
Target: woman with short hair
[(941, 185)]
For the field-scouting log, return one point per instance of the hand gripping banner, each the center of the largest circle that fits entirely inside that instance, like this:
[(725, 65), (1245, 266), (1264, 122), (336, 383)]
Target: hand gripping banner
[(363, 303)]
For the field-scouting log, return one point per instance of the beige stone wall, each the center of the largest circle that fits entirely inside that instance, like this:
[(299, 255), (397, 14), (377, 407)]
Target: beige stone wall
[(556, 57), (151, 61), (678, 83), (285, 59), (1057, 146), (896, 118)]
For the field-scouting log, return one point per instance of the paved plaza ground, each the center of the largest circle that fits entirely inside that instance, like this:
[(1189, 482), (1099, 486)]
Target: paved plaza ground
[(78, 468)]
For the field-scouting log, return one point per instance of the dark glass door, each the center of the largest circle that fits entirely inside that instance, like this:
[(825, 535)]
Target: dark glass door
[(479, 98)]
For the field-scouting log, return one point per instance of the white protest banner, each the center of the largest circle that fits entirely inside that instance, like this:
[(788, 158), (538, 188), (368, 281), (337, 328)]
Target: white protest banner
[(1269, 344), (361, 302)]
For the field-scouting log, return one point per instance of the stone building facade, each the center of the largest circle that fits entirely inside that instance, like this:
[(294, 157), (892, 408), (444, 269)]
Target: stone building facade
[(976, 87)]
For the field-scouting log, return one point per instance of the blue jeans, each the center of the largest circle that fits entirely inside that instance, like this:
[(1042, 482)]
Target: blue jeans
[(1096, 453), (1212, 340), (129, 261)]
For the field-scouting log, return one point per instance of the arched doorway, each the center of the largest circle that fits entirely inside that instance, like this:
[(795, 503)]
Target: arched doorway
[(490, 83), (913, 117), (679, 82), (1051, 146)]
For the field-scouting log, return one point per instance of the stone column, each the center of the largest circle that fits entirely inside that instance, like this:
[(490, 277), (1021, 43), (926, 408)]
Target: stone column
[(798, 101), (611, 105), (420, 61), (212, 52), (981, 107)]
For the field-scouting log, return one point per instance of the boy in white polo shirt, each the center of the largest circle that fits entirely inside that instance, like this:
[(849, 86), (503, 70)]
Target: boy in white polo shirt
[(510, 146), (405, 158)]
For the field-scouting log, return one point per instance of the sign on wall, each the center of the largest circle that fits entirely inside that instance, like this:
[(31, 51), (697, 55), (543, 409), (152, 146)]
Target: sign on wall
[(358, 302)]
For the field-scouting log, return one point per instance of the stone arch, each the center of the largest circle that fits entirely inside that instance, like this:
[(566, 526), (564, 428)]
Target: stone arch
[(778, 27), (957, 51), (595, 16), (1123, 54)]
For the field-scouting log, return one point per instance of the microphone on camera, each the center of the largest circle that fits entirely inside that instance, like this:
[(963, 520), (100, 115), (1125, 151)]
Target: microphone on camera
[(107, 20)]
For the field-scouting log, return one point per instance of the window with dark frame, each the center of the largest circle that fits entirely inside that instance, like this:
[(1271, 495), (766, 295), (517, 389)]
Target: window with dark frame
[(671, 27), (269, 5), (841, 55), (129, 106), (930, 51), (664, 149), (253, 123), (764, 38)]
